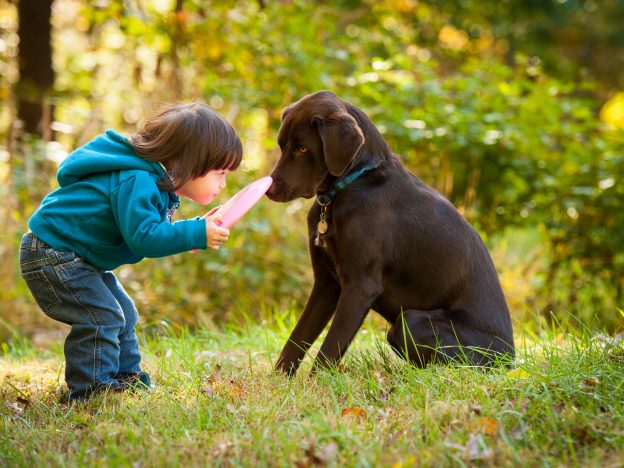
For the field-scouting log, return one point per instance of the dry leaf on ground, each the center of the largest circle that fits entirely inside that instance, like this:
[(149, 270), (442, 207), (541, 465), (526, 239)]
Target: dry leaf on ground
[(321, 457), (488, 425), (354, 412)]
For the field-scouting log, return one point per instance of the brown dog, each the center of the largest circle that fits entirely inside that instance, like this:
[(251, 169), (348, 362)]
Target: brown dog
[(381, 238)]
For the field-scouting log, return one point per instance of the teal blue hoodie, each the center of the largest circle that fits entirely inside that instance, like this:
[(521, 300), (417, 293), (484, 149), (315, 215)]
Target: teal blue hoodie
[(109, 210)]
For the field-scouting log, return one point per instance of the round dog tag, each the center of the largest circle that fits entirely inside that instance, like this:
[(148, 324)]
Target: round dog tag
[(321, 227)]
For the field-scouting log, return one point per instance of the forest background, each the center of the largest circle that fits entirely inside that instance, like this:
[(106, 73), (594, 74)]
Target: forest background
[(514, 110)]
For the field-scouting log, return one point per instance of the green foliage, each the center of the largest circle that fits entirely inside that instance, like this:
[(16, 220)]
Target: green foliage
[(576, 40), (485, 103)]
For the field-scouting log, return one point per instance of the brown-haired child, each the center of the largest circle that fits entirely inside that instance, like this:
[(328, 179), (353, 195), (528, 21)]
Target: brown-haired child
[(114, 205)]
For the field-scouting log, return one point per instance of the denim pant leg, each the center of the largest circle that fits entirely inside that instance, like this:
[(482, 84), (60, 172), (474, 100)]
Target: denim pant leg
[(72, 291), (129, 356)]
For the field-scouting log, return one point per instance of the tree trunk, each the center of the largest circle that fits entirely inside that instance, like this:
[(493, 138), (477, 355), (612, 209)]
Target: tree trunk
[(35, 66), (177, 40)]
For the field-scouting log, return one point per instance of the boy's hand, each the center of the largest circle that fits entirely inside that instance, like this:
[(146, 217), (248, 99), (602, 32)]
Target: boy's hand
[(215, 235)]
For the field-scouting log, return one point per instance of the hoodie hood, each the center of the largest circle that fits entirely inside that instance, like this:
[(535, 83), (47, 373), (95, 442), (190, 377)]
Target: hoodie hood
[(108, 152)]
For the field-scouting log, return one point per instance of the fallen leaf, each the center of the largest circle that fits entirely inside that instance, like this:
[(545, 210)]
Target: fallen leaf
[(488, 425), (16, 408), (609, 340), (616, 355), (211, 381), (518, 374), (383, 414), (215, 376), (320, 457), (222, 449), (475, 448), (354, 411), (207, 390), (235, 390), (328, 451), (24, 402), (590, 382)]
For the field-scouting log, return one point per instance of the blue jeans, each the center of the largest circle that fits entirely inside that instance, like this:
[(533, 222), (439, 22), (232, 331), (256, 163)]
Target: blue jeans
[(102, 345)]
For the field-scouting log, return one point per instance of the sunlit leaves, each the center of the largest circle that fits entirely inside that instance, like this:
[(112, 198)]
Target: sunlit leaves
[(613, 111), (469, 108)]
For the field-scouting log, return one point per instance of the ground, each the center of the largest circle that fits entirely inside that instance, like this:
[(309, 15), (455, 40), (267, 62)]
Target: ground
[(216, 400)]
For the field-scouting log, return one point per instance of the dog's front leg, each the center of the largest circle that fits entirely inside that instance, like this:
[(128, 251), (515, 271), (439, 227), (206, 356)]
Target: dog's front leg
[(353, 306), (318, 310)]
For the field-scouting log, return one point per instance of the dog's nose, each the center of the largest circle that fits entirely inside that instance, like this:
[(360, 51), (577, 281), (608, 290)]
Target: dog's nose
[(271, 192), (275, 189)]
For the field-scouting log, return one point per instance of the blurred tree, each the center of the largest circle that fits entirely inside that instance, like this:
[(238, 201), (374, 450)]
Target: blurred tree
[(491, 103), (35, 66), (575, 40)]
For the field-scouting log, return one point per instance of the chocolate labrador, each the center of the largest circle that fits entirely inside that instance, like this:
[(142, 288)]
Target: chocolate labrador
[(382, 239)]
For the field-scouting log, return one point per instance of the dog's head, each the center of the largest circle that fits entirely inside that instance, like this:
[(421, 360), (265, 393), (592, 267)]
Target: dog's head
[(319, 137)]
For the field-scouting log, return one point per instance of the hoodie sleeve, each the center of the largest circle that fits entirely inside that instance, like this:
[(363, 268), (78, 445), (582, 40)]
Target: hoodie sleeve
[(138, 208)]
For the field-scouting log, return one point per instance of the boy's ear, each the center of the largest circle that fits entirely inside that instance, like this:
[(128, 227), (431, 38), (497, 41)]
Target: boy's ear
[(342, 138)]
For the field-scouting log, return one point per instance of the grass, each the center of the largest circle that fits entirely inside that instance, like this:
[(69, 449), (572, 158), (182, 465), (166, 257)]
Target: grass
[(216, 402)]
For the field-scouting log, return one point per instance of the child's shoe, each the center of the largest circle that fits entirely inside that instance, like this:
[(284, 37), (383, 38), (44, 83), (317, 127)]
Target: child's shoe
[(135, 380), (115, 386)]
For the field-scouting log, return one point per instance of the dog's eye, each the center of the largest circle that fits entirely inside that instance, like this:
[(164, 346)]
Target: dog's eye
[(302, 149)]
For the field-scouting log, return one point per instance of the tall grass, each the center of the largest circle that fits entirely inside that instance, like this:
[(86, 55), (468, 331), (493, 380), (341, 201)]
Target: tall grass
[(217, 401)]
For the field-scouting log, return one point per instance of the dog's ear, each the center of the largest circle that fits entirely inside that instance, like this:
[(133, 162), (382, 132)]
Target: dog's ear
[(286, 112), (342, 138)]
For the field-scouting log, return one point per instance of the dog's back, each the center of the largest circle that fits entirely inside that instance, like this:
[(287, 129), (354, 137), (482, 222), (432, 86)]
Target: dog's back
[(432, 258)]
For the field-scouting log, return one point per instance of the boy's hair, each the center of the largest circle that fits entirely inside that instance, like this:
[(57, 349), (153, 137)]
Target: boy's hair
[(189, 140)]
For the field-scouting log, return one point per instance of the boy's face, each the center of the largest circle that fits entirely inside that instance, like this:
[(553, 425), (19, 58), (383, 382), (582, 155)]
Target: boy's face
[(204, 189)]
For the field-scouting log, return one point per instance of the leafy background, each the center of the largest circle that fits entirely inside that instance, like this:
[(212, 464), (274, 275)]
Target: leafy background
[(514, 110)]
